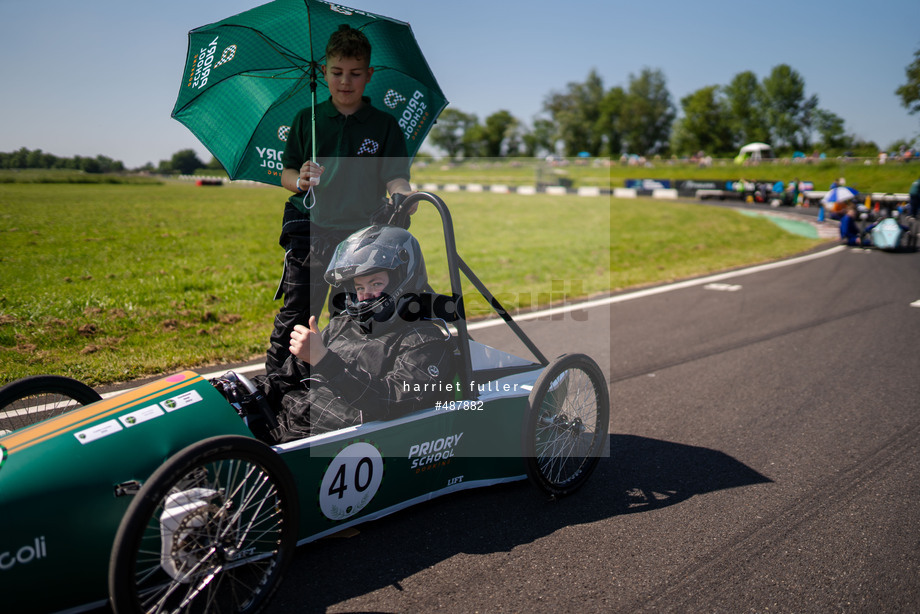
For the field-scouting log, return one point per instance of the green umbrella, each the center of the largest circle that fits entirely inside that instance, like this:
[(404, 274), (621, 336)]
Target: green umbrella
[(247, 76)]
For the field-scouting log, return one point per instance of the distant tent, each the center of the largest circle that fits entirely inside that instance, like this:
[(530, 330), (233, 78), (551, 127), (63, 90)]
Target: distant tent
[(757, 151)]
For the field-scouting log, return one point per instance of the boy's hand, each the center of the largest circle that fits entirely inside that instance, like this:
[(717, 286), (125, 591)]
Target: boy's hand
[(310, 173), (307, 343), (404, 189)]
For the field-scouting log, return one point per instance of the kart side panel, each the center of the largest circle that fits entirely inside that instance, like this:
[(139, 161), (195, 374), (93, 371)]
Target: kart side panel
[(58, 479), (365, 472)]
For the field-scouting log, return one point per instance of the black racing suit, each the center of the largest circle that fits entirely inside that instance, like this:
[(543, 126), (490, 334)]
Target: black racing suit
[(363, 377)]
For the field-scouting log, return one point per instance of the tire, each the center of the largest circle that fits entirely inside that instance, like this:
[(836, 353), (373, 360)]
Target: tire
[(32, 399), (212, 530), (565, 430)]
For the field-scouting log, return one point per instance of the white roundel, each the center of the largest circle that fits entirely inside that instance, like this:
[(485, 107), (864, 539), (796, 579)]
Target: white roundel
[(351, 481)]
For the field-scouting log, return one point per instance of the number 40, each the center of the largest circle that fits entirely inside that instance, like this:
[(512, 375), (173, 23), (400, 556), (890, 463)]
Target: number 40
[(339, 484)]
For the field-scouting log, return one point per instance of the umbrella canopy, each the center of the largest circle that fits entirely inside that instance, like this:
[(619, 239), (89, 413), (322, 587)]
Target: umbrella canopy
[(840, 194), (247, 76)]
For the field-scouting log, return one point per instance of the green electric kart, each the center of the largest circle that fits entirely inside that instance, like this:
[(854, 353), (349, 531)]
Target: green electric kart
[(166, 498)]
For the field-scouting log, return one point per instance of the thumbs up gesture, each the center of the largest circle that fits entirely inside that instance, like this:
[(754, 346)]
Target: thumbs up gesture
[(307, 343)]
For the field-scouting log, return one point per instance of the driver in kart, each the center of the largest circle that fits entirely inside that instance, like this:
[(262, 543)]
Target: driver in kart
[(380, 357)]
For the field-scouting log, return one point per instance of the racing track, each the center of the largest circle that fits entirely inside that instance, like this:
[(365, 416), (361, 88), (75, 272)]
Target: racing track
[(764, 457)]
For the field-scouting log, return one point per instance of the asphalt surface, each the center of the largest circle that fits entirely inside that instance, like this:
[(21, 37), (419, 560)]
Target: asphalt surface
[(765, 457)]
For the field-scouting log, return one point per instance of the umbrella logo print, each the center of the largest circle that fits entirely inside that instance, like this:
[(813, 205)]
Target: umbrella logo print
[(340, 9), (283, 132), (226, 55), (393, 98)]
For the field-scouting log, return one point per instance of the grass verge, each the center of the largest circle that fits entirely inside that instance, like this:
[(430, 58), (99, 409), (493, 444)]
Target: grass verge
[(108, 283), (892, 177)]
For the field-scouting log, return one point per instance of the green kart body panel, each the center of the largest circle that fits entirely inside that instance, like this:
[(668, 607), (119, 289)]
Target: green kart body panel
[(66, 482)]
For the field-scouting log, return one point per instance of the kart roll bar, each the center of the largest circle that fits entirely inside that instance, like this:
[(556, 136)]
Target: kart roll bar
[(455, 264)]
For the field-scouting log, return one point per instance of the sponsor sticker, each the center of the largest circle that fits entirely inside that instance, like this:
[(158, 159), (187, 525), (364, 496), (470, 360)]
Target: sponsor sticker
[(433, 453), (98, 431), (183, 400), (141, 415), (34, 551)]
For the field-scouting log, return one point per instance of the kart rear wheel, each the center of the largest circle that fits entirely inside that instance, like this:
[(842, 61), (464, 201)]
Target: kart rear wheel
[(565, 431), (212, 530), (32, 399)]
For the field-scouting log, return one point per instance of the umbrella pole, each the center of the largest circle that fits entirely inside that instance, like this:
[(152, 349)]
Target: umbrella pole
[(315, 180), (313, 113), (312, 84)]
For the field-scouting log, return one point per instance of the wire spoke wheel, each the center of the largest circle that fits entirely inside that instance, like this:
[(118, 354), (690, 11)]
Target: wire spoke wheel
[(212, 530), (566, 426), (33, 399)]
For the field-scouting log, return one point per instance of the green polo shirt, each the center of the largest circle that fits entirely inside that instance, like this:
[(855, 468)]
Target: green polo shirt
[(361, 153)]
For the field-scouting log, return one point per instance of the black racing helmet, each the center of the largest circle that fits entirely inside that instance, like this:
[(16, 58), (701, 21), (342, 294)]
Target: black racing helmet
[(379, 248)]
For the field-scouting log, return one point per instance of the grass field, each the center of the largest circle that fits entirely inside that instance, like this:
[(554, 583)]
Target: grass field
[(71, 176), (891, 177), (108, 283)]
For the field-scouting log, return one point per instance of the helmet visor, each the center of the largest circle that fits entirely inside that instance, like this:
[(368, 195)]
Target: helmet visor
[(365, 252)]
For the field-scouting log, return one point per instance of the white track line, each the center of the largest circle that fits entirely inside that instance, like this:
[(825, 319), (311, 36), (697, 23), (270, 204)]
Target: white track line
[(620, 298)]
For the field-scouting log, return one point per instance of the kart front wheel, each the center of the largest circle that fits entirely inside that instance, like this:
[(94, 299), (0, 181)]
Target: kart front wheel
[(32, 399), (212, 530), (566, 426)]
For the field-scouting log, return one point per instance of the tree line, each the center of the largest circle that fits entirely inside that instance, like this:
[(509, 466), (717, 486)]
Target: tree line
[(184, 161), (36, 158), (642, 118)]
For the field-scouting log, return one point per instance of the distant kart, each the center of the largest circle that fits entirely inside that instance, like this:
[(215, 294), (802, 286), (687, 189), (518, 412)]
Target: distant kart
[(164, 499), (890, 235)]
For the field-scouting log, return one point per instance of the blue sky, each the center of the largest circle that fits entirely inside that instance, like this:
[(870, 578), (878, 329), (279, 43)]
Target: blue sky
[(101, 76)]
